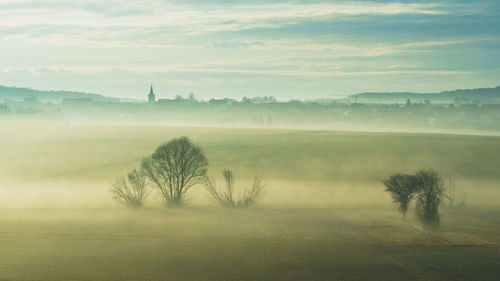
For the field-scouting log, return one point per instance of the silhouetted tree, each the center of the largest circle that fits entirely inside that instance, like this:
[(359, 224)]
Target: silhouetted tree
[(456, 196), (402, 189), (227, 198), (192, 98), (174, 168), (131, 190), (430, 190)]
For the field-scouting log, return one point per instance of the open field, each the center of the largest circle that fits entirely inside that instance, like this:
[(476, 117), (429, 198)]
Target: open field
[(262, 244), (325, 215)]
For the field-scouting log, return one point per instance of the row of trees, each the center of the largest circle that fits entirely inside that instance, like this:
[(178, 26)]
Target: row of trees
[(426, 186), (173, 169)]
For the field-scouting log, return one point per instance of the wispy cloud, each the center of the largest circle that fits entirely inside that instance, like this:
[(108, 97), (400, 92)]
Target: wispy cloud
[(279, 43), (190, 69), (192, 18)]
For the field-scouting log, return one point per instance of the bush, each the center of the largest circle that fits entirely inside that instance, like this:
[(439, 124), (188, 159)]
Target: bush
[(174, 168), (226, 198), (131, 190), (456, 197)]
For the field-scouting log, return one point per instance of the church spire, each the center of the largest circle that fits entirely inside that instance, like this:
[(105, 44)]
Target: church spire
[(151, 96)]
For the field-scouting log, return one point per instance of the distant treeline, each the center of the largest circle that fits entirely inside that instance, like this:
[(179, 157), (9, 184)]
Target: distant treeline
[(477, 96), (349, 113), (469, 96)]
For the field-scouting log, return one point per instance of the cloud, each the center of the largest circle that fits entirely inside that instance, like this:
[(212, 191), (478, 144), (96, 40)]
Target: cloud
[(134, 23), (281, 42), (208, 18), (189, 69)]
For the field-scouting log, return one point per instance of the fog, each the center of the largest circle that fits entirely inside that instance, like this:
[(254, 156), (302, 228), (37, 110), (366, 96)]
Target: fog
[(461, 111), (324, 200), (73, 165)]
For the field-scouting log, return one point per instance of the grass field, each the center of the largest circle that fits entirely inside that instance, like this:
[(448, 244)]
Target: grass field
[(325, 215)]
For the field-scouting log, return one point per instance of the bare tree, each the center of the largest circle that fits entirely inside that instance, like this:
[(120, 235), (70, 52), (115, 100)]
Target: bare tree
[(456, 196), (174, 168), (226, 198), (402, 189), (131, 190), (430, 191)]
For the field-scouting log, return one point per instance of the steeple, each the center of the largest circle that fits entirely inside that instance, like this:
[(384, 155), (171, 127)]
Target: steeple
[(151, 96)]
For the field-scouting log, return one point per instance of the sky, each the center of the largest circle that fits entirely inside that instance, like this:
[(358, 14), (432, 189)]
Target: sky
[(235, 48)]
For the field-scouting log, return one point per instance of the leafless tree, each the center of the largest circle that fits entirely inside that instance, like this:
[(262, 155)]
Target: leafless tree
[(226, 198), (456, 197), (131, 190), (402, 189), (174, 168), (430, 191)]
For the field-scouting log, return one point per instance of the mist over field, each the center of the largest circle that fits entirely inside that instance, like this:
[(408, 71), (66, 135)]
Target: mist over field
[(249, 140), (63, 164), (324, 206)]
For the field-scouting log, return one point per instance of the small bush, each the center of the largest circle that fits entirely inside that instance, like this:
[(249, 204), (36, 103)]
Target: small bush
[(226, 198), (131, 190), (455, 196)]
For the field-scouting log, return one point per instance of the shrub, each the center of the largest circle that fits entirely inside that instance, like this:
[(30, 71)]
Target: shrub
[(131, 190), (226, 198), (456, 197)]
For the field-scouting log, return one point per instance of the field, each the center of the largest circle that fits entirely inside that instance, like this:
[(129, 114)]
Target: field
[(325, 215)]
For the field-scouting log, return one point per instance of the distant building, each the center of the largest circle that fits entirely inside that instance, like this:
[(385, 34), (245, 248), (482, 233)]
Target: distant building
[(225, 101), (491, 107), (151, 96), (77, 101), (31, 100), (167, 101)]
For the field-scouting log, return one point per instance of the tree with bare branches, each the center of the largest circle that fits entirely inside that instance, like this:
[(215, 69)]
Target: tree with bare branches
[(131, 190), (174, 168), (430, 191), (226, 198), (402, 189), (456, 197)]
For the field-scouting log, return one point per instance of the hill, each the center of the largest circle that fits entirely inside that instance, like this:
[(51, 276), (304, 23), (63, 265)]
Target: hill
[(18, 94), (482, 95)]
